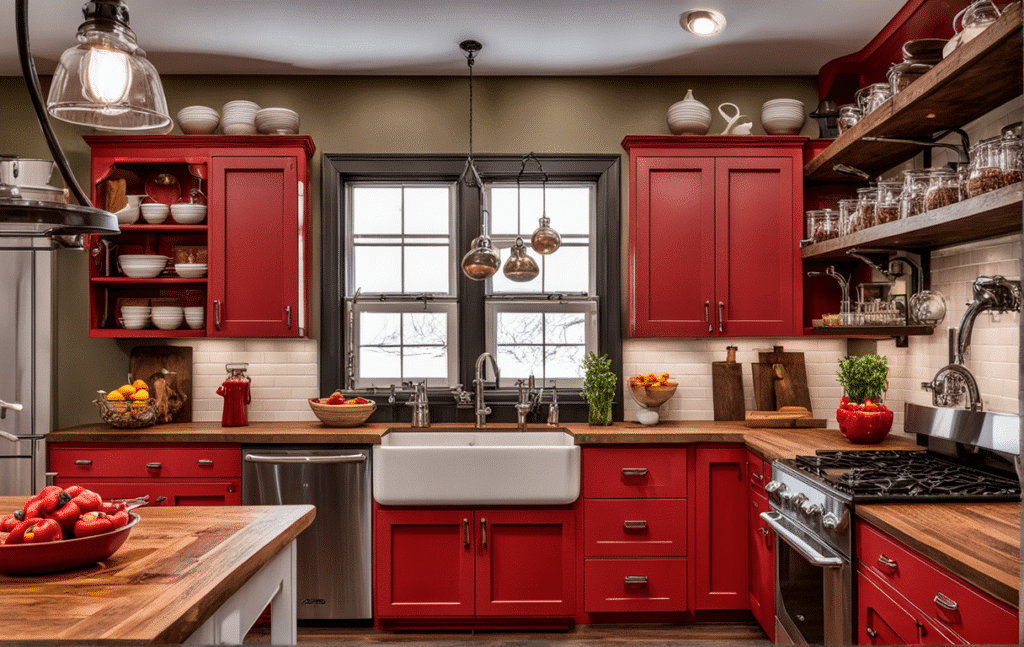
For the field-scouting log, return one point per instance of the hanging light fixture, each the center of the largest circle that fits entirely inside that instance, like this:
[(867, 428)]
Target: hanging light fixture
[(520, 267), (104, 82), (544, 240), (480, 262)]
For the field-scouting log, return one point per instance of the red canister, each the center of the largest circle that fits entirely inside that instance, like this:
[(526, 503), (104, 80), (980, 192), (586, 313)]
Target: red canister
[(235, 391)]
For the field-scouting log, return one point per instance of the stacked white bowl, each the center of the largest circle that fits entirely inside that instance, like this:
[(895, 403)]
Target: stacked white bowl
[(167, 317), (783, 116), (134, 317), (154, 212), (277, 121), (239, 117), (185, 213), (689, 118), (194, 317), (198, 120), (190, 270), (142, 266)]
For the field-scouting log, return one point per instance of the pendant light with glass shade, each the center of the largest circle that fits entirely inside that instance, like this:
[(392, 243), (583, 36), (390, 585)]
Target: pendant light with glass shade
[(104, 82), (544, 240)]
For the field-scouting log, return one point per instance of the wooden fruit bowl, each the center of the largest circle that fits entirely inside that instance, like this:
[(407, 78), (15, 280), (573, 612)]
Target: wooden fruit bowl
[(64, 555), (653, 395), (342, 415)]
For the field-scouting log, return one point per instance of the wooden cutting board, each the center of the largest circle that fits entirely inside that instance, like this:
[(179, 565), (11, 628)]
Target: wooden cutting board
[(790, 377), (786, 417), (727, 389), (145, 361), (764, 386)]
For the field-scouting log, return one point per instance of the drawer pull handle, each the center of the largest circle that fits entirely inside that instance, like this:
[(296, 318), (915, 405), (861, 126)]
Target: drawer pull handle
[(638, 524), (872, 633), (889, 565), (764, 531), (636, 580), (231, 487), (465, 533), (204, 462), (634, 471), (153, 466), (945, 602), (83, 461), (759, 477)]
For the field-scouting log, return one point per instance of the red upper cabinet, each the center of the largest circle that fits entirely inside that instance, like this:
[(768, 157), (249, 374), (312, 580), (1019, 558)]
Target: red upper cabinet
[(714, 229), (255, 238)]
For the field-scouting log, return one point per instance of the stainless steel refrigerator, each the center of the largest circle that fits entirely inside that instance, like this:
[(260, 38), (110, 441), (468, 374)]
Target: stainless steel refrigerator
[(26, 369)]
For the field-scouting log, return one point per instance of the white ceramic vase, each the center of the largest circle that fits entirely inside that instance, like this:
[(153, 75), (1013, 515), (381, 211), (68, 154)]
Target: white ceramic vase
[(689, 116)]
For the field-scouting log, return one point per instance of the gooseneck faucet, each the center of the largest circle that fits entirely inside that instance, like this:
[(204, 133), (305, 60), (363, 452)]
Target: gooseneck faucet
[(482, 411)]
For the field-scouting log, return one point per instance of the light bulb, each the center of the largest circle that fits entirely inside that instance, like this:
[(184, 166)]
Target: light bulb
[(480, 262), (545, 240), (703, 26), (107, 75), (520, 267)]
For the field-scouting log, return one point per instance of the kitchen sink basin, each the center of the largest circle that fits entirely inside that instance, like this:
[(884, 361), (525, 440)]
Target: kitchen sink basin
[(476, 467)]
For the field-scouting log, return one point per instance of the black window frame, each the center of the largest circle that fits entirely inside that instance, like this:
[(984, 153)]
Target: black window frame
[(339, 169)]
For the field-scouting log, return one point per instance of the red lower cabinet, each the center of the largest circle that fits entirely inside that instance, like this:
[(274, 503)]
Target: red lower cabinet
[(497, 563), (720, 555), (635, 585), (760, 547)]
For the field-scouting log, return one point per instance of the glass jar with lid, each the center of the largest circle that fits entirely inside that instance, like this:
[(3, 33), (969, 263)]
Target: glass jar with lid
[(822, 224), (887, 204), (901, 75), (849, 216), (985, 173), (915, 185), (849, 115), (943, 188), (866, 198), (873, 96), (1012, 159)]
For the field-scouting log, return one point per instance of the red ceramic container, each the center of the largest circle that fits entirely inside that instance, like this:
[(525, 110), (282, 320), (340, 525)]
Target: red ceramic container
[(64, 555), (861, 427)]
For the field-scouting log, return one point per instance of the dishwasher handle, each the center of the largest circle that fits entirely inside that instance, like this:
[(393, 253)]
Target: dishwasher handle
[(319, 460)]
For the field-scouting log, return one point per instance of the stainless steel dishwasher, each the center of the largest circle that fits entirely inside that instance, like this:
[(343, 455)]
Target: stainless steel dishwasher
[(334, 553)]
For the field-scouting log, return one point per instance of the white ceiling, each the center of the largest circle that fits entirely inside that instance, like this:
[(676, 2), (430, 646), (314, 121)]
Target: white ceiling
[(420, 37)]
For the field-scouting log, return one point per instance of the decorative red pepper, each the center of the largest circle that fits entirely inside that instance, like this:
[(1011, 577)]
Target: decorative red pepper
[(47, 501), (83, 501), (42, 531), (8, 522), (17, 535), (112, 507), (93, 523), (120, 518)]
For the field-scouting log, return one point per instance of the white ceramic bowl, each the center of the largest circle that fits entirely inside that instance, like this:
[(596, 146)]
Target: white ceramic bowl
[(195, 322), (240, 129), (169, 324), (191, 270), (188, 214), (136, 311), (198, 120), (133, 324), (193, 310), (280, 121), (142, 266), (168, 310), (154, 212)]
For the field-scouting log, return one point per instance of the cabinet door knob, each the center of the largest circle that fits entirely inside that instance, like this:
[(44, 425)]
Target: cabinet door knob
[(707, 315), (721, 316), (872, 634), (216, 314), (231, 487), (83, 461)]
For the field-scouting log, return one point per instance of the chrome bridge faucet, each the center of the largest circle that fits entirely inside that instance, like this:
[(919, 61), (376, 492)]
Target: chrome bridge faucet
[(482, 411)]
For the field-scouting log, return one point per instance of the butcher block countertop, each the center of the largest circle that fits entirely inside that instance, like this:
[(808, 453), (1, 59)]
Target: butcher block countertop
[(979, 542), (177, 567), (767, 443)]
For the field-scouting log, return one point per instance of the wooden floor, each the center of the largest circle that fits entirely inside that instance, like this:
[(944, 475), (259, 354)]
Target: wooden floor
[(662, 635)]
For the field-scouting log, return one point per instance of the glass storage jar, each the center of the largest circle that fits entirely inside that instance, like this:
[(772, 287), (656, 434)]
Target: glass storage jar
[(849, 217), (985, 173), (943, 188), (1012, 159), (901, 75), (887, 204), (849, 115), (822, 224), (866, 199), (873, 96), (915, 184)]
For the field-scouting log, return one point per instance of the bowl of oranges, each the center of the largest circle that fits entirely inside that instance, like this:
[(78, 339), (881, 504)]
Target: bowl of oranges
[(128, 407)]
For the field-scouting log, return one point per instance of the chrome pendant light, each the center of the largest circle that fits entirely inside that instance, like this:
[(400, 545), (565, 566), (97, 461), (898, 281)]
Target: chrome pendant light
[(544, 240), (520, 267), (480, 262)]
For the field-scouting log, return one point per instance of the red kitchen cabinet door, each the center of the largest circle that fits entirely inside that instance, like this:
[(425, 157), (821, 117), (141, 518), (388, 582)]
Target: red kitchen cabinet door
[(672, 247), (226, 492), (757, 279), (255, 245), (526, 562), (424, 563), (721, 534), (761, 566)]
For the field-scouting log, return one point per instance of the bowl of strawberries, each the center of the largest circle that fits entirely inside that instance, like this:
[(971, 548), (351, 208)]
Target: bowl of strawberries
[(337, 411)]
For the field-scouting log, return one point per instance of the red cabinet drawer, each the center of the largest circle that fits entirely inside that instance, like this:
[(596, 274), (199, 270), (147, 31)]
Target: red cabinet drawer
[(969, 612), (227, 492), (149, 461), (635, 527), (759, 472), (628, 472), (630, 585)]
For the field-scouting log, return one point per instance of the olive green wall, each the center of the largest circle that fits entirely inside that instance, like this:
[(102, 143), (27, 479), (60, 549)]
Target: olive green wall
[(384, 115)]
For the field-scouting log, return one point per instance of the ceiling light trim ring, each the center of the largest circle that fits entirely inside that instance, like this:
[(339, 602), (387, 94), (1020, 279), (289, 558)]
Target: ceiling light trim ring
[(690, 20)]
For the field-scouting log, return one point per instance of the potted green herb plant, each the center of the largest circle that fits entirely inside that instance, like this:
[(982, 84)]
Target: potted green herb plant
[(599, 388), (861, 416)]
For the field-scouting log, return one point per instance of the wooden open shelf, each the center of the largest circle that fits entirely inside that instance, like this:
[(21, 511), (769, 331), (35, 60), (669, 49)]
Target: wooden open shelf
[(973, 80), (991, 214), (873, 332)]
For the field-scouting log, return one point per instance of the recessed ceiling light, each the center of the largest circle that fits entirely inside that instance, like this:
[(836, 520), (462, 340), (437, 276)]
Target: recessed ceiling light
[(702, 22)]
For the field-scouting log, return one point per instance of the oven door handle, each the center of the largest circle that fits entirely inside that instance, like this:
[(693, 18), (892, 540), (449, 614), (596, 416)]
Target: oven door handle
[(806, 551), (256, 458)]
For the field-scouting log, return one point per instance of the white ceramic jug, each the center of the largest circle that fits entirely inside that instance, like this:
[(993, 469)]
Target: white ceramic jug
[(732, 126), (130, 213)]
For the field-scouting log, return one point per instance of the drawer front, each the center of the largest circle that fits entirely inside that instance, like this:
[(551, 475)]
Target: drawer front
[(631, 585), (759, 472), (145, 462), (635, 527), (880, 619), (166, 493), (952, 603), (634, 472)]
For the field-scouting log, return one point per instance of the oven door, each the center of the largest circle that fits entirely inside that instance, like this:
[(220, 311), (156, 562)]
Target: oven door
[(813, 587)]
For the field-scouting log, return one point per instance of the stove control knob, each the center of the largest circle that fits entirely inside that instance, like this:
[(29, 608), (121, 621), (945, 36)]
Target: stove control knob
[(830, 521), (810, 509), (798, 500), (774, 490)]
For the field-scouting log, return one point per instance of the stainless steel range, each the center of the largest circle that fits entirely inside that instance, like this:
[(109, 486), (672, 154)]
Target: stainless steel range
[(965, 456)]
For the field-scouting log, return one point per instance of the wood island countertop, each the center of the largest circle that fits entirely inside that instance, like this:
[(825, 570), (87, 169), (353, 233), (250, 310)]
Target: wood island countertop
[(178, 566)]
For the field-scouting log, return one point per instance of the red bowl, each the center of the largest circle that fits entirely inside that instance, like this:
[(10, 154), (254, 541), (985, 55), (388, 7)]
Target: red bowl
[(862, 435), (64, 555)]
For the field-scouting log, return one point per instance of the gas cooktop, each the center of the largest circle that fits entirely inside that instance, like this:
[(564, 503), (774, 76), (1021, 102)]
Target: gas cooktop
[(874, 476)]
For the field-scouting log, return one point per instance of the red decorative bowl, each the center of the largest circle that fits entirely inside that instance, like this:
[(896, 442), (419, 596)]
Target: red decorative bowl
[(64, 555), (864, 429)]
